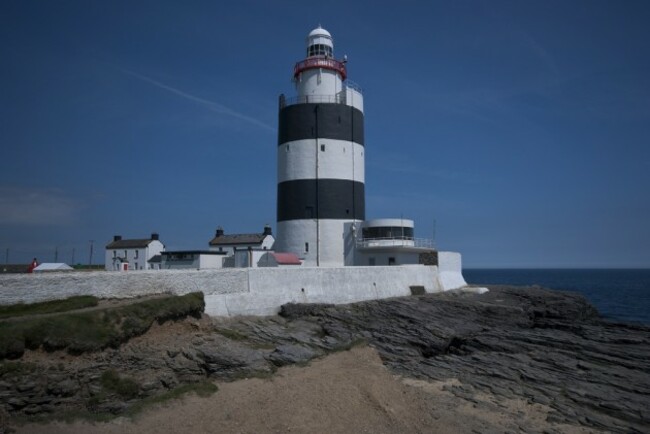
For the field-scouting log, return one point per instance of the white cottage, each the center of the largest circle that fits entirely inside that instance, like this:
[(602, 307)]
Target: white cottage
[(242, 250), (233, 242), (133, 254)]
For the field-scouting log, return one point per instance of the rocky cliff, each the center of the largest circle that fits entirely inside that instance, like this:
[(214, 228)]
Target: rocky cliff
[(538, 345)]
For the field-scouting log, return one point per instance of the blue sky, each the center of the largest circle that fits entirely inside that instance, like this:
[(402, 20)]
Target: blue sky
[(519, 130)]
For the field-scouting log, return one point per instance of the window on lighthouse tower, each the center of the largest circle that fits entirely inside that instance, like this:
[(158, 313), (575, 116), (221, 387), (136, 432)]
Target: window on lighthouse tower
[(319, 50)]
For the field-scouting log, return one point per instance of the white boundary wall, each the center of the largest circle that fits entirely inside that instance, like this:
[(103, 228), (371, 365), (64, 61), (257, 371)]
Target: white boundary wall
[(270, 288), (30, 288), (245, 291), (450, 272)]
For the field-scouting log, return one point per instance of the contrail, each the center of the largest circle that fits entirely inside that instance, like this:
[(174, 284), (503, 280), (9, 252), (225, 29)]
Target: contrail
[(211, 105)]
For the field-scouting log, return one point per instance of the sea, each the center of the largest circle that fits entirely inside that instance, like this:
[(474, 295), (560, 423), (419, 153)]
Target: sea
[(618, 294)]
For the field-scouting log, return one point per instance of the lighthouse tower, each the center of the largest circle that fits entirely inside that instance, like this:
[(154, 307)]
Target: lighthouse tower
[(321, 198)]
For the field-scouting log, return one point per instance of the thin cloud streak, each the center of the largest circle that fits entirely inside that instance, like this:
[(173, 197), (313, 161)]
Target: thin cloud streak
[(210, 105), (21, 206)]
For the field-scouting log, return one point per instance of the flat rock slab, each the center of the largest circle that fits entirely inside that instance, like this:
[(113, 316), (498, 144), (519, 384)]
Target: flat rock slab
[(548, 347)]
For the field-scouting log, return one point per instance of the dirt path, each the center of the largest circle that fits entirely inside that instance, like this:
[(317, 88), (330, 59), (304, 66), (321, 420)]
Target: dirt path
[(347, 392)]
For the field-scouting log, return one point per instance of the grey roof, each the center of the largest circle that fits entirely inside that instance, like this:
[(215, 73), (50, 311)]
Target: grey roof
[(236, 239), (129, 244), (53, 266), (192, 252)]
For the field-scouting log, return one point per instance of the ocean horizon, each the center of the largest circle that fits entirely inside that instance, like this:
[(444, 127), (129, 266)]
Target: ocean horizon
[(619, 294)]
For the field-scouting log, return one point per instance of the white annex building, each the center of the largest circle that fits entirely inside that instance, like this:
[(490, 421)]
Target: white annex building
[(231, 243)]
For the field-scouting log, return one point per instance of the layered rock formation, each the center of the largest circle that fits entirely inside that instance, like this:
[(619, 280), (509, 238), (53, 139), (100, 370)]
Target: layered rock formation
[(541, 346), (548, 347)]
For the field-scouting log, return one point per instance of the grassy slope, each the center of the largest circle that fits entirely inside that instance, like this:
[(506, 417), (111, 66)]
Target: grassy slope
[(53, 306), (92, 330)]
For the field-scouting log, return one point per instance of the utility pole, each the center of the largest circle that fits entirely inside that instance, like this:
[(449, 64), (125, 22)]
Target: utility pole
[(56, 254), (434, 232), (90, 261)]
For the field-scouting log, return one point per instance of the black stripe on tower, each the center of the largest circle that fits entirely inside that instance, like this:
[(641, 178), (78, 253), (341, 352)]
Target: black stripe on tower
[(336, 199), (330, 121)]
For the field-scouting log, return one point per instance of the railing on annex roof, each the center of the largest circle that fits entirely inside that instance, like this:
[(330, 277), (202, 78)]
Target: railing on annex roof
[(427, 243)]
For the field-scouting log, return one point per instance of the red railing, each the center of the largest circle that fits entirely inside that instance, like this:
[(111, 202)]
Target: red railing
[(320, 62)]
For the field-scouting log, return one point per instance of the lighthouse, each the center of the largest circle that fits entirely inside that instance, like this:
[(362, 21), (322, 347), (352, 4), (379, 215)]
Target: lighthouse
[(321, 170)]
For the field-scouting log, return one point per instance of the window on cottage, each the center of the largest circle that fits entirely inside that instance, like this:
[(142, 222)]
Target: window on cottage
[(306, 247), (115, 253), (136, 254), (125, 254)]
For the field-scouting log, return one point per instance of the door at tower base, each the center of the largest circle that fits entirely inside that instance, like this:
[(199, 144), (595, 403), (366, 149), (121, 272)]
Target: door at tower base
[(324, 243)]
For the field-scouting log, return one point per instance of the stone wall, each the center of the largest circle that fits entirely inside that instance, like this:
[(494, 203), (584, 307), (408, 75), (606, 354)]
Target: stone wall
[(242, 291), (30, 288), (272, 287)]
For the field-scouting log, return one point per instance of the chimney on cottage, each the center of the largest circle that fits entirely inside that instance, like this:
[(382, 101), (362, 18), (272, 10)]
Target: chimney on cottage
[(267, 230), (117, 237), (155, 236), (219, 232)]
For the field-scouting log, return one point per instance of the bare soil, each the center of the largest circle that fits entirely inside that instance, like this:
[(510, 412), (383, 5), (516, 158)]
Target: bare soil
[(346, 392)]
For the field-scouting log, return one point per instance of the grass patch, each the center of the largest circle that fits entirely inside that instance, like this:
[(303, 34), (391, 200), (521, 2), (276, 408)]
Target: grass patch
[(109, 380), (123, 386), (94, 330), (53, 306), (81, 267), (16, 368)]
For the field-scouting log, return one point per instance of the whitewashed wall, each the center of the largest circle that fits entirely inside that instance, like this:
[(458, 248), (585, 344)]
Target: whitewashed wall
[(29, 288), (231, 292), (381, 258), (270, 288), (450, 273)]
